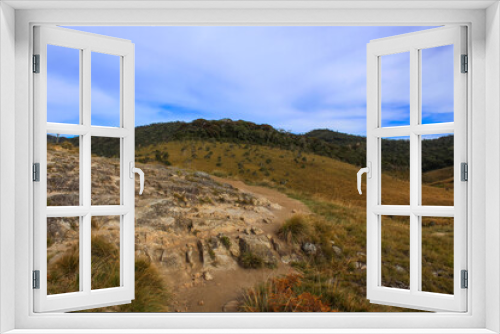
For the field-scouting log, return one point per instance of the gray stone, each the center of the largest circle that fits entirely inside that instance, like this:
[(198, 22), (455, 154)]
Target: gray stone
[(400, 269), (337, 250), (202, 175), (309, 248)]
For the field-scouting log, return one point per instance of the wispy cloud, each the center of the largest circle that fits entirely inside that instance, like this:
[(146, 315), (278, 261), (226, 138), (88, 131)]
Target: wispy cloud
[(296, 78)]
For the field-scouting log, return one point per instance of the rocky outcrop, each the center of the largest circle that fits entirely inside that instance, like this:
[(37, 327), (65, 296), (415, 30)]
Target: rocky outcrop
[(259, 246)]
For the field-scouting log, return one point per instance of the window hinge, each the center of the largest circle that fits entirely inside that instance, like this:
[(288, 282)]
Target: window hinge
[(465, 279), (36, 279), (464, 172), (36, 172), (465, 64), (36, 63)]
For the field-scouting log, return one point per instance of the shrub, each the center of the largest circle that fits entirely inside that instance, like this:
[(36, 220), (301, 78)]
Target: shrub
[(249, 260), (296, 229), (282, 295), (226, 241)]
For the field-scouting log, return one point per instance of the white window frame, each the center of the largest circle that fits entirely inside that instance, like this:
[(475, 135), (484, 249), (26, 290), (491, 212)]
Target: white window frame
[(123, 50), (413, 43), (484, 213)]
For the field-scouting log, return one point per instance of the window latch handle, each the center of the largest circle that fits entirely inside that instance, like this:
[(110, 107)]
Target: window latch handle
[(134, 170), (368, 171)]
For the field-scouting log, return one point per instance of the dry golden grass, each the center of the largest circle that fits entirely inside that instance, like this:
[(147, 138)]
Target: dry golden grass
[(311, 174), (328, 187)]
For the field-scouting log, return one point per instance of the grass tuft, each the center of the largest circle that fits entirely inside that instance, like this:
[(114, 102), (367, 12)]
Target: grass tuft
[(296, 229)]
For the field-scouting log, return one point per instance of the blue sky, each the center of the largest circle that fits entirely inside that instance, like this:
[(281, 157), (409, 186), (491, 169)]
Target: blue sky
[(294, 78)]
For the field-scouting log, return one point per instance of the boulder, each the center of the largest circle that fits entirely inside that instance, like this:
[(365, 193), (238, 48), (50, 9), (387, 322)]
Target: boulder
[(258, 246)]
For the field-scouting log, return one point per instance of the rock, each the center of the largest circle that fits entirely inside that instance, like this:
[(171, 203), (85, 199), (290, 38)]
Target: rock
[(294, 211), (207, 276), (337, 250), (234, 250), (276, 245), (290, 258), (400, 269), (201, 303), (309, 248), (256, 230), (266, 221), (231, 306), (207, 255), (214, 243), (171, 260), (202, 175), (262, 210), (189, 255), (247, 231), (275, 206), (360, 265), (258, 246)]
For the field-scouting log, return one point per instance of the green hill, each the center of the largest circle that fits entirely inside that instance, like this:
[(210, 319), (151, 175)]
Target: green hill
[(437, 153)]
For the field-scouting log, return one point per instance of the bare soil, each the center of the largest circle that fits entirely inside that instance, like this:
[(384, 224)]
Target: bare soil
[(211, 296)]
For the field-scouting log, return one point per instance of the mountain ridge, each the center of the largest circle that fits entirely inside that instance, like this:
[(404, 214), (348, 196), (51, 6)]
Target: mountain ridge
[(437, 153)]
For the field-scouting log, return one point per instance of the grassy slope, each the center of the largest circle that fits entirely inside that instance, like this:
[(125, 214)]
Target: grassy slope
[(328, 187), (310, 174)]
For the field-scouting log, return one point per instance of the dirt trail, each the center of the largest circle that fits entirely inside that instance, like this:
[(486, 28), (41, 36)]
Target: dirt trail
[(211, 296), (288, 204)]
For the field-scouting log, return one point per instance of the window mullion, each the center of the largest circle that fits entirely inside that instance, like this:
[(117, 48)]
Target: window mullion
[(85, 246), (415, 276)]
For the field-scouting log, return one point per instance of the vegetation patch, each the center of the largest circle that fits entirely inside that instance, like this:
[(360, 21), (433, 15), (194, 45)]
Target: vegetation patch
[(250, 260), (226, 241), (296, 229)]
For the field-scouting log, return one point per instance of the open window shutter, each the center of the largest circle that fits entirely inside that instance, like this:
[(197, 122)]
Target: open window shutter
[(415, 296), (65, 275)]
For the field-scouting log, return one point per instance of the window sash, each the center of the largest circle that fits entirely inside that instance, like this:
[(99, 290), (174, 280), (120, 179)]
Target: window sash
[(86, 298), (414, 298)]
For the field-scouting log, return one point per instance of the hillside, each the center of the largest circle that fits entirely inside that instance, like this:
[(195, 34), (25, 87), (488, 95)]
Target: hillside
[(195, 232), (199, 226), (438, 153)]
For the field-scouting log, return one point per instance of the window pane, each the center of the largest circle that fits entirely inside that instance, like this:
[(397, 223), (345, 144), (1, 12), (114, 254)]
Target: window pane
[(105, 252), (395, 89), (105, 171), (437, 169), (63, 170), (105, 93), (63, 85), (437, 84), (395, 171), (395, 252), (63, 255), (437, 254)]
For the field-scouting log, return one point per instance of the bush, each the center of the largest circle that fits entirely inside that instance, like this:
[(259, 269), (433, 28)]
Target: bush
[(283, 295), (249, 260), (226, 242), (151, 294), (296, 229)]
